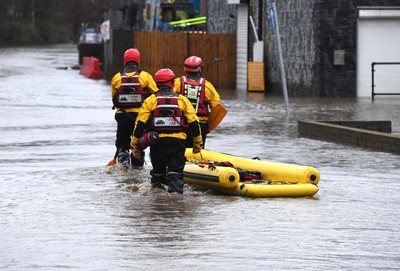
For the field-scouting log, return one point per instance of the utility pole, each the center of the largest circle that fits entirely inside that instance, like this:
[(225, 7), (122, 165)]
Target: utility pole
[(275, 26)]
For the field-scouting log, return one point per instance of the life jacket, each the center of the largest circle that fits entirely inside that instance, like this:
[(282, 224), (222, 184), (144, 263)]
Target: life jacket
[(130, 94), (195, 92), (168, 117)]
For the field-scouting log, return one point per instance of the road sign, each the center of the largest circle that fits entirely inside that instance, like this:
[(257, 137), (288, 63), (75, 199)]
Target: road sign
[(272, 20)]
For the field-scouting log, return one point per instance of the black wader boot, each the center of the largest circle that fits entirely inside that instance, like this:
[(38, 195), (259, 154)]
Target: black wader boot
[(123, 156), (157, 180), (138, 162), (175, 182)]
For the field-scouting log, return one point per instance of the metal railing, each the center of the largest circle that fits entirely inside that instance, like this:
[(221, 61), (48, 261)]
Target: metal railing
[(373, 77)]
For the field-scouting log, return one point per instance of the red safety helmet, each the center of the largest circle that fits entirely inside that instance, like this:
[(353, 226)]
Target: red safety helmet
[(131, 55), (193, 64), (164, 77)]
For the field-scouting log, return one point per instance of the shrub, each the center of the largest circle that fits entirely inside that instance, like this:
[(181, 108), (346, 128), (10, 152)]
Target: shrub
[(17, 33)]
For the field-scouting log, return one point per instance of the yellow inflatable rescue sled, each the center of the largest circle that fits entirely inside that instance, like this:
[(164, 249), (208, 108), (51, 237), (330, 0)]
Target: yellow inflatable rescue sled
[(249, 177)]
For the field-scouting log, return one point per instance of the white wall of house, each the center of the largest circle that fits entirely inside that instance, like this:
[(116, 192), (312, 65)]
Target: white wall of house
[(242, 52)]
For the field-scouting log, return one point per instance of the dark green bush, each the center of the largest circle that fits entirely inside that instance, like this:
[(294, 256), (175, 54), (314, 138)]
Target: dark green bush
[(16, 33), (51, 33)]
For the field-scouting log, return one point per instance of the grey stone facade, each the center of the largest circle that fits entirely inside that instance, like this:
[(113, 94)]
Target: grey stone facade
[(221, 17), (311, 30), (298, 27)]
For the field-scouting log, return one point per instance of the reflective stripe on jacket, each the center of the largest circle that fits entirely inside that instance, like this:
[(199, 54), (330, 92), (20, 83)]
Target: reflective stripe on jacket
[(145, 80), (150, 105), (211, 95), (167, 117), (130, 93), (195, 92)]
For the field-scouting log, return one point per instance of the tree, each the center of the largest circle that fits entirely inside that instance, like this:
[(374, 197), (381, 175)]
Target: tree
[(44, 21)]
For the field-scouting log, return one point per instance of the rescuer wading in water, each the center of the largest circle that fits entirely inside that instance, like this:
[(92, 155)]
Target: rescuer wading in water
[(129, 88), (200, 92), (169, 114)]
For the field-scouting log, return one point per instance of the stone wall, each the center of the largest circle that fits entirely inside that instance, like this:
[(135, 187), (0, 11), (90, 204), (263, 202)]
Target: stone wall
[(338, 30), (300, 48), (221, 17), (311, 30)]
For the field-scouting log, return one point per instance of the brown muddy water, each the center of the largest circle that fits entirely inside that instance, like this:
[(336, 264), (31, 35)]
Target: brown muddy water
[(62, 208)]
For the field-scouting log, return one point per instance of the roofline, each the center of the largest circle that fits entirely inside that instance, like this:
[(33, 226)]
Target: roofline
[(378, 12)]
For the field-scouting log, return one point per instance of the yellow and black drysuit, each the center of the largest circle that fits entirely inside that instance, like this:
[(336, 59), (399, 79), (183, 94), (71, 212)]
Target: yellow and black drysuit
[(203, 96), (129, 89), (168, 113)]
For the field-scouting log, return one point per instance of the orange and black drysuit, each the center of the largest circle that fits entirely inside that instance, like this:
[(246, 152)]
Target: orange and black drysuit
[(129, 89), (202, 95), (169, 114)]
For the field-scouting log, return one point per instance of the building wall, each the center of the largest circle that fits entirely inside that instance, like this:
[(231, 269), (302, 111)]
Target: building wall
[(221, 17), (298, 26), (311, 30)]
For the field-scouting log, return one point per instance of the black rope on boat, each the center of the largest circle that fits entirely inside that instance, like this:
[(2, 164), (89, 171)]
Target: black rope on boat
[(245, 175)]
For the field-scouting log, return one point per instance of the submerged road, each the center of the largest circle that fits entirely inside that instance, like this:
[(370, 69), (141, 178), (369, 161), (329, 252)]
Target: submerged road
[(62, 208)]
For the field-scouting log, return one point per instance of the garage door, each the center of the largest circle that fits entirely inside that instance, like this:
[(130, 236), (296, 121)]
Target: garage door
[(378, 40)]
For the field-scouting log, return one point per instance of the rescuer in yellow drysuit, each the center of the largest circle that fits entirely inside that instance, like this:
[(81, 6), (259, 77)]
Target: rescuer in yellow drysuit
[(200, 92), (129, 89), (169, 114)]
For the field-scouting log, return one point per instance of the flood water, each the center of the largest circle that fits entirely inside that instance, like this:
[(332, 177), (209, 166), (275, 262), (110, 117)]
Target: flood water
[(62, 208)]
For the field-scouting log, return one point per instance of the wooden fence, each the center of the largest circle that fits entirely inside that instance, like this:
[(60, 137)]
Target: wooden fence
[(170, 49)]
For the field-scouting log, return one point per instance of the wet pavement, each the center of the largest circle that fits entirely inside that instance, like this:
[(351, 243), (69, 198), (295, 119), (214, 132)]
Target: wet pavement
[(62, 208)]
